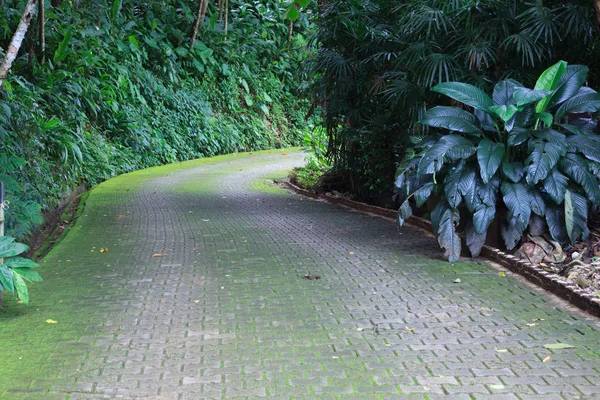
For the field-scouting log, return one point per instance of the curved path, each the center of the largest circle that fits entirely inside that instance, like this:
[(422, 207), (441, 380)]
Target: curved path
[(201, 295)]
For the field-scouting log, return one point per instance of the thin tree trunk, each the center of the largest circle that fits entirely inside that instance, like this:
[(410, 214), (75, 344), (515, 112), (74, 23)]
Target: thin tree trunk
[(17, 40), (226, 12), (221, 2), (42, 32), (197, 22), (290, 30), (204, 9)]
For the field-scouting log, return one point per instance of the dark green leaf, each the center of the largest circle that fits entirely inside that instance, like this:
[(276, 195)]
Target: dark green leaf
[(404, 212), (588, 145), (546, 118), (503, 92), (452, 145), (451, 187), (576, 168), (576, 212), (555, 185), (466, 94), (587, 102), (489, 156), (571, 81), (423, 193), (451, 118), (517, 199), (483, 217), (475, 241), (523, 96), (511, 231), (542, 159), (513, 171), (518, 136), (538, 205), (447, 236)]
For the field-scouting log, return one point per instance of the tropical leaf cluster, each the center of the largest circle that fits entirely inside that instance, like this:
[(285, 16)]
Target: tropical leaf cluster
[(15, 271), (521, 156), (377, 59), (120, 89)]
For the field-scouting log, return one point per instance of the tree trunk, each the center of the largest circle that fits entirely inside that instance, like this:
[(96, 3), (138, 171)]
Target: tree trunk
[(597, 9), (204, 9), (226, 8), (42, 32), (197, 22), (221, 2), (17, 40), (290, 31)]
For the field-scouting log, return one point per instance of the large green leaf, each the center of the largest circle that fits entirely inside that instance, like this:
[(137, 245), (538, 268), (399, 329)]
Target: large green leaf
[(452, 118), (466, 94), (588, 145), (512, 232), (555, 218), (513, 170), (475, 241), (28, 274), (6, 278), (538, 205), (21, 288), (62, 51), (549, 81), (482, 217), (436, 215), (503, 92), (570, 82), (518, 136), (6, 243), (423, 193), (517, 199), (489, 156), (523, 96), (582, 103), (555, 185), (11, 249), (542, 159), (576, 212), (505, 112), (447, 236), (20, 262), (451, 186), (576, 167), (452, 145), (404, 212)]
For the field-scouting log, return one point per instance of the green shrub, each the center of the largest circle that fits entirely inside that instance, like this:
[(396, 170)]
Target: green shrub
[(14, 270), (525, 156)]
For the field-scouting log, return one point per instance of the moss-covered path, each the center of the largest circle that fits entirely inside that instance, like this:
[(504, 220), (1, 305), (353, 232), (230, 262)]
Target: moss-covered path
[(199, 292)]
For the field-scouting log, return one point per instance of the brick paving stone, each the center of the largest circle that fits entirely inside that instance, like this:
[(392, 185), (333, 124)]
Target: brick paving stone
[(201, 295)]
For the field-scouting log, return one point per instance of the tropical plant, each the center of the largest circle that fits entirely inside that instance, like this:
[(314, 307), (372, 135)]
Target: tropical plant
[(377, 59), (15, 270), (524, 156)]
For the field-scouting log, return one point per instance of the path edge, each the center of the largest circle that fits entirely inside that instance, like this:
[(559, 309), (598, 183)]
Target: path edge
[(532, 273)]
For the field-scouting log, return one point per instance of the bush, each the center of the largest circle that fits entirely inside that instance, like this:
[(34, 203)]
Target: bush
[(525, 156)]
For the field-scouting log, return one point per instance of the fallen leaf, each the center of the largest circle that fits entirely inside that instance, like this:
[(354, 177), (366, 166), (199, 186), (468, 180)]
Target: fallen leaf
[(359, 329), (51, 321), (457, 280), (532, 324), (157, 255), (196, 301), (497, 387), (334, 357), (555, 346), (284, 154), (502, 274), (502, 351), (546, 359), (387, 345), (351, 252), (406, 328)]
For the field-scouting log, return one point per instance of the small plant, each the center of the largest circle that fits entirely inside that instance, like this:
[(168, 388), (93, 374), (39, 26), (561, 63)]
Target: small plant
[(528, 156), (14, 270)]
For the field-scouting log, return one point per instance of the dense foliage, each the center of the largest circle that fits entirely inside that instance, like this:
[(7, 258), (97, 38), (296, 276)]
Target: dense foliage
[(377, 60), (121, 89), (526, 156)]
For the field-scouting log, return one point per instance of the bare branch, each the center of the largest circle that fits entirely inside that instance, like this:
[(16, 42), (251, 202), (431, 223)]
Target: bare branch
[(15, 44)]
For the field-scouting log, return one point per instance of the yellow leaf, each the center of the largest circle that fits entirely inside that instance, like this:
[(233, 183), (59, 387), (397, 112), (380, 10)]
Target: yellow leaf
[(388, 345), (546, 359), (334, 357), (51, 321), (502, 351), (502, 274)]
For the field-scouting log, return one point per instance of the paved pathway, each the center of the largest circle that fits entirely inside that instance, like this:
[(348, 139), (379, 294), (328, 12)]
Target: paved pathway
[(225, 311)]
